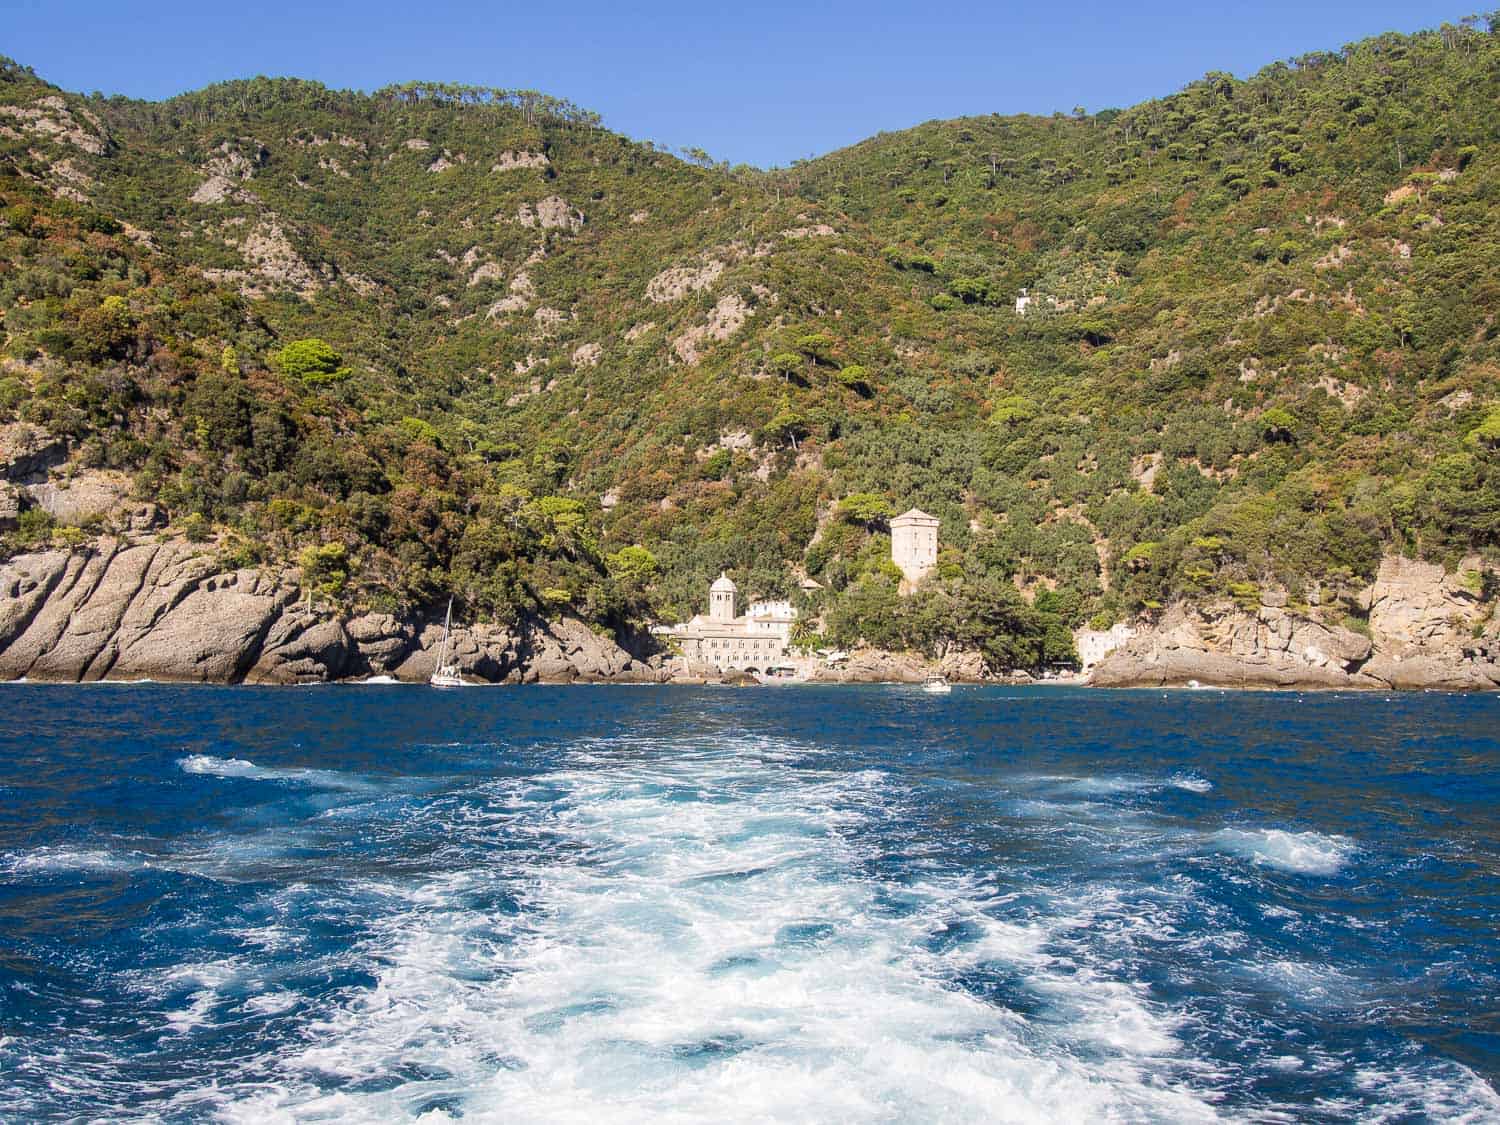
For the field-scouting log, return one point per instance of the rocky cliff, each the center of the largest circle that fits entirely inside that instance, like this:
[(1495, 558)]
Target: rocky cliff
[(142, 606), (132, 608), (1424, 628)]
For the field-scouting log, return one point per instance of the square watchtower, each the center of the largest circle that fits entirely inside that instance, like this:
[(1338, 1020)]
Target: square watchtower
[(914, 543)]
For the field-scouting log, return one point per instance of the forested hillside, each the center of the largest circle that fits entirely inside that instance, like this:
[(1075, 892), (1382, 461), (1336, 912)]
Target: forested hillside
[(442, 339)]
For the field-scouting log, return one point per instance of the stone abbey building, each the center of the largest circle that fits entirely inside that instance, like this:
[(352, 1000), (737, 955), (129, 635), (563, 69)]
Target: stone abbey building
[(723, 641)]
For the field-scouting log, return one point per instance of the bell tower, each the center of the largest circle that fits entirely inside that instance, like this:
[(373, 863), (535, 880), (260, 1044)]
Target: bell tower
[(721, 599)]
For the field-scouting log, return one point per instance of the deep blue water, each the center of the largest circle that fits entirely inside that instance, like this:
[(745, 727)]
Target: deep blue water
[(802, 904)]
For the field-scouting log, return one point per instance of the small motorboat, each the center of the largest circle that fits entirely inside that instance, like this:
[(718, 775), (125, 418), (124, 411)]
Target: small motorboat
[(936, 685), (446, 674), (781, 674)]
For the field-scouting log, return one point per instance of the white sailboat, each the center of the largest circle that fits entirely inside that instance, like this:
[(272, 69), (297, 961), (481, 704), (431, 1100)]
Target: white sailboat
[(446, 675)]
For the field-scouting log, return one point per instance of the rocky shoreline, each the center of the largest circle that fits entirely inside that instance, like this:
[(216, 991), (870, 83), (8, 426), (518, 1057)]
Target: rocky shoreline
[(147, 607), (141, 609), (1423, 629)]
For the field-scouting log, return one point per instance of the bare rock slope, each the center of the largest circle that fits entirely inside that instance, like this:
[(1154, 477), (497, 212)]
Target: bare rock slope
[(163, 610), (1427, 629)]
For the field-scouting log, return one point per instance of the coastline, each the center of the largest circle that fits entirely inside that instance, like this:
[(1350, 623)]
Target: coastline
[(139, 608)]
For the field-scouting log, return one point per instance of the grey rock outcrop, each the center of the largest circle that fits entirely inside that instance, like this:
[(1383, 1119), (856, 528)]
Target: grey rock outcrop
[(966, 666), (132, 607), (88, 496), (1416, 606), (1223, 645), (124, 609), (128, 611), (1422, 624), (10, 507), (28, 452), (383, 641), (875, 666), (304, 647)]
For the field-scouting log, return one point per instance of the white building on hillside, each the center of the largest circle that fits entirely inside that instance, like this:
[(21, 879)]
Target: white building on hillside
[(720, 641), (914, 542)]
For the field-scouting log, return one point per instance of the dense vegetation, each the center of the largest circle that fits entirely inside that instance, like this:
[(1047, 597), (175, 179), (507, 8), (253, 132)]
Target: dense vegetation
[(450, 339)]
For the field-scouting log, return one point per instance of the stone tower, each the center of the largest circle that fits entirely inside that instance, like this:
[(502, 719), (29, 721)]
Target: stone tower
[(721, 599), (914, 545)]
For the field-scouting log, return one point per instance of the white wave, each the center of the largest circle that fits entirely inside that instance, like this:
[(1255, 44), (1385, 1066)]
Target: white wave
[(1108, 786), (1313, 985), (702, 940), (1446, 1091), (219, 767), (208, 765), (1305, 853), (272, 1003), (198, 1013), (46, 859), (1190, 782)]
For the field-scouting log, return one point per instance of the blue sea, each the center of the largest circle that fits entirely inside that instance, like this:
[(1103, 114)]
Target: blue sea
[(851, 904)]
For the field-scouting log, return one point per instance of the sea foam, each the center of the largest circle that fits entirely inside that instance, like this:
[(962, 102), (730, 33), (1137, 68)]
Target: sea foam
[(51, 859), (1304, 853), (715, 948), (210, 766), (221, 767)]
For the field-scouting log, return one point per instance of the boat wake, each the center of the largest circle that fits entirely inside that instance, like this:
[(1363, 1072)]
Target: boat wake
[(728, 928), (706, 937)]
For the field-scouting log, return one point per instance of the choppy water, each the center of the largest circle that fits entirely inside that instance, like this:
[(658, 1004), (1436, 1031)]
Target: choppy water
[(594, 904)]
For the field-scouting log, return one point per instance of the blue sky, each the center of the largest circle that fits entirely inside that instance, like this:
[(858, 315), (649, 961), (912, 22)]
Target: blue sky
[(762, 82)]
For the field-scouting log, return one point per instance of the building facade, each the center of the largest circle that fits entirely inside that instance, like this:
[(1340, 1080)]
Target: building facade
[(914, 545), (721, 641)]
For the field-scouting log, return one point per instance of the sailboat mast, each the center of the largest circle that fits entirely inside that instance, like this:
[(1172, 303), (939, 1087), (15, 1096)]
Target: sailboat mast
[(447, 625)]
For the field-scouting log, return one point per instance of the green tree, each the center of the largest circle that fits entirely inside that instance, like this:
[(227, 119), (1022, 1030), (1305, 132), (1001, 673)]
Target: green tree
[(634, 565), (787, 425), (325, 569), (312, 362), (865, 508), (856, 377), (788, 365), (1278, 425), (1486, 435)]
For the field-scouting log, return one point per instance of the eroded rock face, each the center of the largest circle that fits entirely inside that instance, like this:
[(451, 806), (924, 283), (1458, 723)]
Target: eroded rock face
[(273, 263), (676, 283), (726, 318), (875, 666), (1417, 605), (304, 647), (27, 452), (1422, 624), (226, 170), (967, 666), (1226, 646), (50, 118), (89, 495), (131, 610), (10, 507), (509, 161), (552, 213)]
